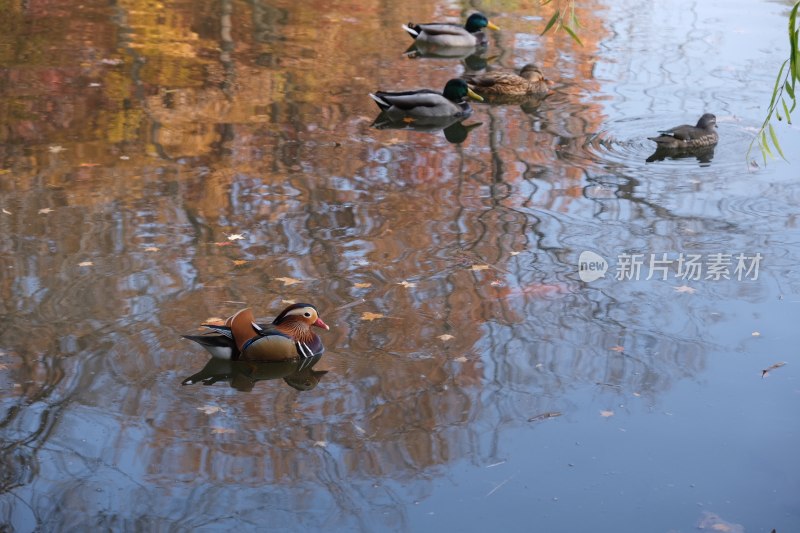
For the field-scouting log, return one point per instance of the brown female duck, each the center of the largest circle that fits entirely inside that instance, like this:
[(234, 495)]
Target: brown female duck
[(529, 82), (686, 136)]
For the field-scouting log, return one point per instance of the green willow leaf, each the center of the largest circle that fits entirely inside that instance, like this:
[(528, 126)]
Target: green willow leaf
[(786, 110), (553, 20), (775, 141), (789, 90), (775, 89), (765, 145), (573, 35)]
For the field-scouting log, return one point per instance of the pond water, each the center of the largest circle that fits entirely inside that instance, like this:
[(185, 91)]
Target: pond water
[(162, 164)]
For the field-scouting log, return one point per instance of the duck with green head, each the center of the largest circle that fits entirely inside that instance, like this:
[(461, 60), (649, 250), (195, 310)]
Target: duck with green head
[(452, 35), (422, 103)]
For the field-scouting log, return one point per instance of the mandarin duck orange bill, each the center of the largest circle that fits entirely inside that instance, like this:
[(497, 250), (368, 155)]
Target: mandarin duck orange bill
[(287, 338)]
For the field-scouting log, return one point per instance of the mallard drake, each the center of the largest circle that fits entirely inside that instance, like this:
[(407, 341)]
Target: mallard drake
[(452, 35), (288, 337), (686, 136), (427, 103), (530, 81)]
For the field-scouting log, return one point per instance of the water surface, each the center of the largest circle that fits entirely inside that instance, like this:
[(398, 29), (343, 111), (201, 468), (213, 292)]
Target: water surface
[(163, 165)]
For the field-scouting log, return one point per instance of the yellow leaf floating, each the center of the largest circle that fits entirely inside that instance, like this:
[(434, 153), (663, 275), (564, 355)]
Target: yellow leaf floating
[(606, 414), (480, 267), (461, 359), (210, 409), (85, 264), (288, 302), (617, 349), (222, 431), (45, 211), (6, 211), (362, 285), (289, 281), (407, 284), (239, 262), (366, 315), (446, 337), (151, 249)]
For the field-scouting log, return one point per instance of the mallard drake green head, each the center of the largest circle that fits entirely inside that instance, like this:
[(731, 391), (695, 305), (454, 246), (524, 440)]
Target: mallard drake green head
[(288, 337), (685, 136), (426, 102), (530, 81), (452, 35)]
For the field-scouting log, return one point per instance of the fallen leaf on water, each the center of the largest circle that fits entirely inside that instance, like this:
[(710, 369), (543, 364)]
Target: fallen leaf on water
[(686, 289), (366, 315), (714, 522), (362, 285), (4, 171), (461, 359), (239, 262), (617, 349), (544, 416), (320, 444), (514, 253), (6, 212), (446, 337), (151, 249), (218, 430), (606, 414), (45, 210), (211, 409), (214, 321), (288, 302), (235, 237), (407, 284), (56, 149), (289, 281), (85, 264), (767, 370), (409, 120), (87, 165), (479, 267)]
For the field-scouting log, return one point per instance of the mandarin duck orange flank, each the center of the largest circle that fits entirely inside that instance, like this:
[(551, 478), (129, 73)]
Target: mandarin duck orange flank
[(288, 337), (685, 137)]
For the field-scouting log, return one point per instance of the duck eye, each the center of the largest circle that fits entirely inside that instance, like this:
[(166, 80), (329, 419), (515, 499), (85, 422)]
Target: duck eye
[(306, 314)]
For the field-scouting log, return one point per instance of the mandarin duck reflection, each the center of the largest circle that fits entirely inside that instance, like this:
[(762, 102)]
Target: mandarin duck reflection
[(288, 337), (243, 375)]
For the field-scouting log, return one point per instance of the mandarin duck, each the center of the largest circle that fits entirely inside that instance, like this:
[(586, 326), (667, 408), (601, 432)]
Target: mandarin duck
[(424, 103), (529, 82), (452, 35), (288, 337), (686, 136)]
